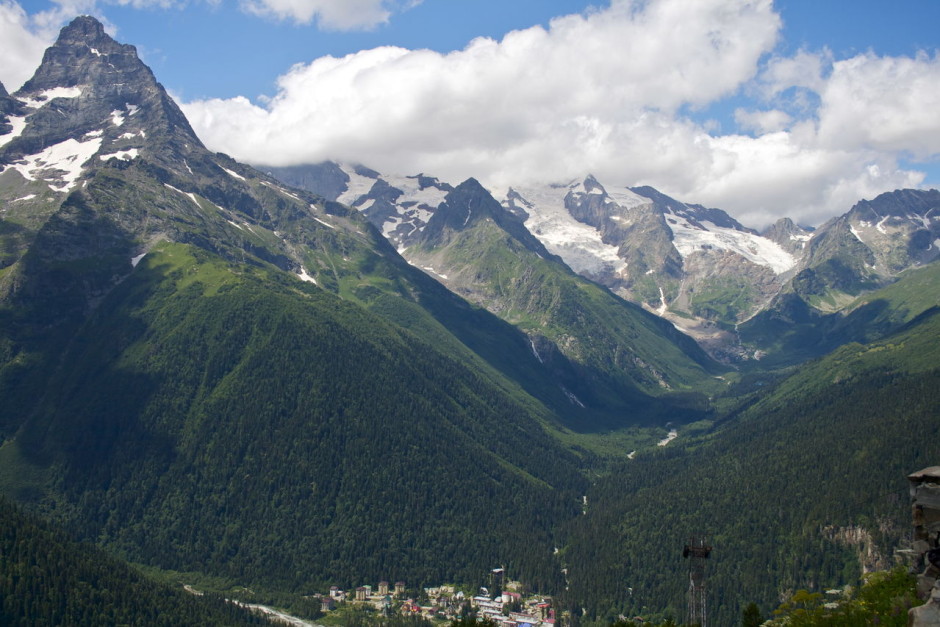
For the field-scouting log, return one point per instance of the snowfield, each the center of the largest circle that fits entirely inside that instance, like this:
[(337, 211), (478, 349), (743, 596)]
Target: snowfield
[(578, 244), (48, 95), (689, 239), (415, 205), (412, 192), (59, 165), (19, 124)]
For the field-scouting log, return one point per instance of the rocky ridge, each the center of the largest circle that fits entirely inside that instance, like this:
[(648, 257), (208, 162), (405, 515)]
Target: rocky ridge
[(695, 266)]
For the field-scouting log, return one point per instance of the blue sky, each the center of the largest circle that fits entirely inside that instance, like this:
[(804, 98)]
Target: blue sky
[(765, 109)]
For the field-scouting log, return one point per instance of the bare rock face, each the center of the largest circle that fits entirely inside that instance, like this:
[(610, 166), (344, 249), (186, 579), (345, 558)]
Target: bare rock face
[(8, 106), (90, 85), (327, 177), (925, 509), (789, 236), (928, 614)]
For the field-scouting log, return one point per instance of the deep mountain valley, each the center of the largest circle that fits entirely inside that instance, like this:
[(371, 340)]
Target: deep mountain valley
[(288, 379)]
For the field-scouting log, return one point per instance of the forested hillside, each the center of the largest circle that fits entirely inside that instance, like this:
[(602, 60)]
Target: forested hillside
[(48, 579), (242, 425), (794, 332), (802, 484), (629, 366)]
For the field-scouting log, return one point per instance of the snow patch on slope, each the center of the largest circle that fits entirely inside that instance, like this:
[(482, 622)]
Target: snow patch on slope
[(855, 232), (18, 124), (281, 190), (123, 155), (46, 96), (688, 239), (233, 174), (578, 244), (59, 165), (189, 195)]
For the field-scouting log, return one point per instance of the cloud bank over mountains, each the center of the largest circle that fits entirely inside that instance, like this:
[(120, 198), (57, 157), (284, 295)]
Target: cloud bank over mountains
[(625, 91)]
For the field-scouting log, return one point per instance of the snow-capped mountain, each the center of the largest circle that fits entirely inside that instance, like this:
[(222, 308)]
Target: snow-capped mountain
[(670, 256), (176, 323), (868, 247), (91, 99), (400, 206), (696, 266), (93, 139), (665, 254), (483, 251)]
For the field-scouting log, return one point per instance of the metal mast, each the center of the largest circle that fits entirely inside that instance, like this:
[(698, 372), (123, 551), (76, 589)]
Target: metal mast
[(697, 551)]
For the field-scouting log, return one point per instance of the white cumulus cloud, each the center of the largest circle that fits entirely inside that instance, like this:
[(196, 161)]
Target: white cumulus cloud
[(609, 92), (762, 121), (22, 47), (577, 96), (617, 91), (330, 14), (883, 103)]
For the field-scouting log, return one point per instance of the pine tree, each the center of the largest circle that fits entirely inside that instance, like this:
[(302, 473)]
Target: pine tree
[(751, 616)]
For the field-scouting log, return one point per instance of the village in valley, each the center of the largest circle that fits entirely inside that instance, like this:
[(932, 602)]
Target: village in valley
[(506, 605)]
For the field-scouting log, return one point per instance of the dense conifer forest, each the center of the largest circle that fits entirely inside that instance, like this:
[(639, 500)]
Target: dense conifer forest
[(794, 489), (46, 578)]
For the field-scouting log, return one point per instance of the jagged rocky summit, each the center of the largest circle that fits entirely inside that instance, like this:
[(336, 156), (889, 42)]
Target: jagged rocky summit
[(696, 266)]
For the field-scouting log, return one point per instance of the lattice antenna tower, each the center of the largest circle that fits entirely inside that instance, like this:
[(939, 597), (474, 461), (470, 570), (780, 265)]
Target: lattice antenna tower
[(697, 551)]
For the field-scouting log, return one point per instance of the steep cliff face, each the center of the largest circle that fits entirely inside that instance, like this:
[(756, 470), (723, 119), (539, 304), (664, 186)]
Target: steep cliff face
[(789, 236), (89, 86)]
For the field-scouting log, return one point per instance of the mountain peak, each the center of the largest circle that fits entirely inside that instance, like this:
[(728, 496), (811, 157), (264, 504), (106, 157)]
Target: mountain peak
[(91, 89), (591, 184), (471, 185), (82, 54), (462, 207), (82, 29), (470, 204)]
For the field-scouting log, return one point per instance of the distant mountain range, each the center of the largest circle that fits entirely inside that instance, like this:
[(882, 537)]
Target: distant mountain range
[(695, 266), (285, 379)]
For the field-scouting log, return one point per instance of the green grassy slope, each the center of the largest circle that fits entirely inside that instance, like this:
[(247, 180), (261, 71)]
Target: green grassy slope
[(794, 333)]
